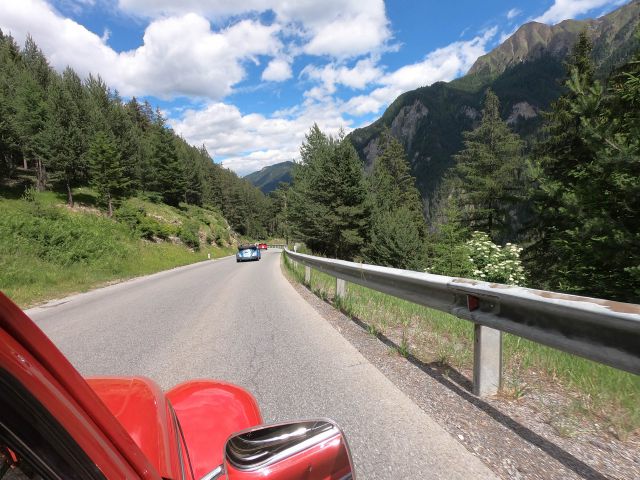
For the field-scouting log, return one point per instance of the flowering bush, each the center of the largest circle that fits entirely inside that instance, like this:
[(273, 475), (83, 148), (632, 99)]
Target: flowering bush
[(493, 263)]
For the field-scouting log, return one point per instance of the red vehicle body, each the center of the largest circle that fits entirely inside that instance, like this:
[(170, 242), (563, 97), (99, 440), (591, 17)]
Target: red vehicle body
[(262, 246), (51, 418)]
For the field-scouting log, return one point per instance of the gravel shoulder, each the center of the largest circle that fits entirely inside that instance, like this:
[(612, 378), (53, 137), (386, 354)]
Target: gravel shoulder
[(516, 438)]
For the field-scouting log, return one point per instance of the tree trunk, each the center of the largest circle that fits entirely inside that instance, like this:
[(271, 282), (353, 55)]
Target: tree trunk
[(24, 162), (40, 175), (110, 204), (69, 194)]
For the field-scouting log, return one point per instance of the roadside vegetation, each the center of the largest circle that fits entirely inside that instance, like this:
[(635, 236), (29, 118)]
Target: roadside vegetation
[(48, 249), (600, 395)]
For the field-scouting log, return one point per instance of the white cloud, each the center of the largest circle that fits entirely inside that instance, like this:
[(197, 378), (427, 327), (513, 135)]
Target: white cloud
[(565, 9), (513, 13), (182, 56), (278, 70), (350, 35), (179, 55), (360, 76), (64, 41), (249, 142), (339, 28)]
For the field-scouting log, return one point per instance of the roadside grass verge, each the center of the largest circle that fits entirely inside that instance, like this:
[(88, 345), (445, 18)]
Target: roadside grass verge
[(48, 250), (599, 394)]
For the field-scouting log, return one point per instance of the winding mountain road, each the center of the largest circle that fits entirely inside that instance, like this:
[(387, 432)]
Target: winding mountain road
[(244, 323)]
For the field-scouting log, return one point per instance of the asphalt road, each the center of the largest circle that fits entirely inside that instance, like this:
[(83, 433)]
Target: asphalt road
[(245, 324)]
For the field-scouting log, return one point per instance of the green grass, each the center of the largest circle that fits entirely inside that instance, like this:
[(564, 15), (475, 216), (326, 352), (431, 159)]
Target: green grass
[(48, 250), (610, 395)]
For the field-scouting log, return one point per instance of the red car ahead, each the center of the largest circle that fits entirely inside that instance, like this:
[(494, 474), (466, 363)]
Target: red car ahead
[(55, 424), (262, 246)]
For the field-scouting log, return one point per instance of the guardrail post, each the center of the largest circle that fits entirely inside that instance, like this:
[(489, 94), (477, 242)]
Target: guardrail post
[(341, 288), (487, 360), (307, 275)]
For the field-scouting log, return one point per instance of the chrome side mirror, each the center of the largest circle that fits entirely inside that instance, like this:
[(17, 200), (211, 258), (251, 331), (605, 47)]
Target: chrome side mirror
[(310, 450)]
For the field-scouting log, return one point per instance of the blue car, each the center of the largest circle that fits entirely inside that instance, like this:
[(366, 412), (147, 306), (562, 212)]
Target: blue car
[(247, 253)]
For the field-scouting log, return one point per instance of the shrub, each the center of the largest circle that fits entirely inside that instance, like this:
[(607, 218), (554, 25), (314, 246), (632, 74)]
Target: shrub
[(189, 234), (130, 215), (493, 263)]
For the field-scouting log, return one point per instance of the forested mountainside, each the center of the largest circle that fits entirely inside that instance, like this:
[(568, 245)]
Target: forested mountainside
[(268, 178), (59, 132), (525, 72)]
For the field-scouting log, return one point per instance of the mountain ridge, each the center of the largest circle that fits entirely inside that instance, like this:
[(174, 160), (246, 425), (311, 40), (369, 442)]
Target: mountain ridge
[(268, 178)]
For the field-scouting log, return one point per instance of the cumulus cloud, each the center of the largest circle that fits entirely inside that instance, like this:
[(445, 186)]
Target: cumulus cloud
[(338, 28), (278, 70), (246, 143), (565, 9), (358, 77), (179, 55), (350, 35), (64, 41)]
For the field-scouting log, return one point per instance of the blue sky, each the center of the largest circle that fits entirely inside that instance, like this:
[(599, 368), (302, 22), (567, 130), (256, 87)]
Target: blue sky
[(247, 78)]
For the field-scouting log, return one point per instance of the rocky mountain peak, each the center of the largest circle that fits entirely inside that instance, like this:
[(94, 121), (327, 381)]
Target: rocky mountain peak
[(535, 39)]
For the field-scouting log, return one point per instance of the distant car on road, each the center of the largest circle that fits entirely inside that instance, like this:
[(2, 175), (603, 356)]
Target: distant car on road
[(248, 253), (263, 246)]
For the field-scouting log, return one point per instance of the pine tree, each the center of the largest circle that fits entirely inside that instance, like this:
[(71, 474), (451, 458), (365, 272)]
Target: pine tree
[(280, 219), (397, 222), (168, 177), (587, 237), (447, 251), (107, 169), (65, 132), (488, 177), (9, 141), (328, 208), (30, 121)]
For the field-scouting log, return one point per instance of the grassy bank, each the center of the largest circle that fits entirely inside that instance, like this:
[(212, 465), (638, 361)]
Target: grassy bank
[(48, 250), (609, 396)]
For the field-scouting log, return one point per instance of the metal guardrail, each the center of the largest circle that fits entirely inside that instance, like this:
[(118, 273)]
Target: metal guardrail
[(601, 330)]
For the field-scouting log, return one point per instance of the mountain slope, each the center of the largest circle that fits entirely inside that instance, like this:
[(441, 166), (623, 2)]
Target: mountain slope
[(270, 177), (524, 71)]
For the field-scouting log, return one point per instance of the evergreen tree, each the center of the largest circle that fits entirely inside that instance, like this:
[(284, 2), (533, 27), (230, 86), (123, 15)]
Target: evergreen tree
[(587, 237), (328, 207), (397, 222), (168, 172), (447, 250), (488, 177), (280, 218), (9, 141), (108, 173), (65, 132), (30, 121)]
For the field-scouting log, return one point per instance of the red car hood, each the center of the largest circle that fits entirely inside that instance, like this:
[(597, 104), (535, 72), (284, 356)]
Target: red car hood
[(208, 413)]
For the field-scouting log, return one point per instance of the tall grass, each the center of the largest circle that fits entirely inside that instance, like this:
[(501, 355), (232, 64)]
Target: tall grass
[(610, 395), (47, 251)]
